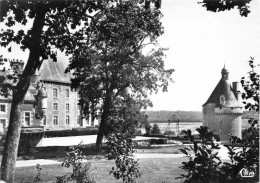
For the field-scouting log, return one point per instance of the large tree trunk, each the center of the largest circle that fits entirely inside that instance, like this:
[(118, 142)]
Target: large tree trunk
[(14, 128), (104, 117)]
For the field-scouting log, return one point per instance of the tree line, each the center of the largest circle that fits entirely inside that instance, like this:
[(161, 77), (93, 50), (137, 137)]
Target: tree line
[(182, 116)]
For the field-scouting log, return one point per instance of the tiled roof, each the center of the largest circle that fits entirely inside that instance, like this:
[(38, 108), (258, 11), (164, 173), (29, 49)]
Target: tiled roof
[(223, 88), (54, 72)]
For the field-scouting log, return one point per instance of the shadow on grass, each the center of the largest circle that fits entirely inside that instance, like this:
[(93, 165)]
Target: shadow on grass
[(59, 153)]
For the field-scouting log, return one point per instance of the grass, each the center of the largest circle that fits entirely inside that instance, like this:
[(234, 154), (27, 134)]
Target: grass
[(153, 171)]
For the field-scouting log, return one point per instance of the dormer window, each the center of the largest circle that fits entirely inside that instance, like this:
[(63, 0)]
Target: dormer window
[(222, 100)]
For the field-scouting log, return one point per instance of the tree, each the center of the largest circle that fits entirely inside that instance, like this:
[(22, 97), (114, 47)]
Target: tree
[(251, 88), (56, 25), (110, 65), (223, 5), (156, 129), (126, 115)]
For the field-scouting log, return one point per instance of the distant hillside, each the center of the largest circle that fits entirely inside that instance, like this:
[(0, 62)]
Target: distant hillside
[(163, 116), (186, 116), (250, 114)]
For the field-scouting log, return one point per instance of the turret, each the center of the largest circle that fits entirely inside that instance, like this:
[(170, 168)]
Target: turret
[(36, 78), (17, 66), (41, 102), (224, 73), (223, 110)]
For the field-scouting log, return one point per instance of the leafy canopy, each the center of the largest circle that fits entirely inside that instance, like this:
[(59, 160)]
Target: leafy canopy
[(223, 5), (110, 64)]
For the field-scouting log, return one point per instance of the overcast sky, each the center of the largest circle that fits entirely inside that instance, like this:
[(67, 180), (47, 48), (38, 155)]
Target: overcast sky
[(200, 43)]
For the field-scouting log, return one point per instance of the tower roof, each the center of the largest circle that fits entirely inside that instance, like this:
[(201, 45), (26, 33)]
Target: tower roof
[(54, 72), (224, 90)]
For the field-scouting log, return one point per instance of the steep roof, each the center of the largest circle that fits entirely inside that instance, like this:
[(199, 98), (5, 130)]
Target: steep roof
[(223, 88), (54, 72)]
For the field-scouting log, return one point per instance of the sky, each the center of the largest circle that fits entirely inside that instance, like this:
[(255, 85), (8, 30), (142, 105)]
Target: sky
[(200, 43)]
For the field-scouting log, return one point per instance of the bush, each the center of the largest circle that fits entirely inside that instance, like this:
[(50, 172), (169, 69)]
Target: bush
[(156, 129), (206, 166), (120, 149), (80, 173), (137, 132), (158, 141), (170, 133), (72, 132), (2, 142), (37, 178), (148, 129)]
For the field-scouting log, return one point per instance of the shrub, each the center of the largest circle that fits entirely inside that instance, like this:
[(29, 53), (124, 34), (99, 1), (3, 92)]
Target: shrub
[(170, 133), (120, 149), (37, 178), (80, 173), (156, 129), (72, 132), (148, 129), (2, 142), (204, 166)]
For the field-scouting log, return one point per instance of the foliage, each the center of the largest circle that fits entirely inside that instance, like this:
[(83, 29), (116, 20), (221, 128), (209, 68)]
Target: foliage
[(206, 166), (251, 88), (121, 150), (169, 133), (65, 25), (72, 132), (156, 129), (37, 178), (80, 173), (248, 155), (126, 116), (109, 67), (223, 5), (2, 142), (148, 129)]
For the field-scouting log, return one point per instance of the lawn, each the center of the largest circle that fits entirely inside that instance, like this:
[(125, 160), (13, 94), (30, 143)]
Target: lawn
[(153, 171)]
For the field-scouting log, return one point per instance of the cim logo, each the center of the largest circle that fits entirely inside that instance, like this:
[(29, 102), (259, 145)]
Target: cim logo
[(246, 173)]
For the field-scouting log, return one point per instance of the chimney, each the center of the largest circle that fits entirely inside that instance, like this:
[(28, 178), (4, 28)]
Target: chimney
[(237, 90)]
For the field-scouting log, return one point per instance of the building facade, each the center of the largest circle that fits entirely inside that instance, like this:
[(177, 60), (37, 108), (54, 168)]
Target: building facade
[(223, 110), (50, 102)]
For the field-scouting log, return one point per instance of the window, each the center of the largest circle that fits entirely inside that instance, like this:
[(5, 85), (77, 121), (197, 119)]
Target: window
[(27, 118), (78, 120), (55, 120), (78, 107), (78, 96), (44, 120), (67, 93), (55, 92), (222, 100), (3, 108), (55, 106), (67, 107), (67, 120)]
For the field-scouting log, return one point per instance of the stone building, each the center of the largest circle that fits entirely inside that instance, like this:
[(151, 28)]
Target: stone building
[(223, 110), (49, 102)]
